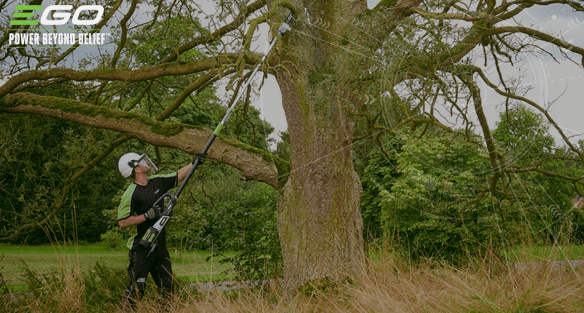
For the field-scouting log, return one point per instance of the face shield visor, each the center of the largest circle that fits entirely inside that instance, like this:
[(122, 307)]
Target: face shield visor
[(145, 161)]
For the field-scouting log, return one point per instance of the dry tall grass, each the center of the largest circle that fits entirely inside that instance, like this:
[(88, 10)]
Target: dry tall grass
[(388, 286), (395, 287)]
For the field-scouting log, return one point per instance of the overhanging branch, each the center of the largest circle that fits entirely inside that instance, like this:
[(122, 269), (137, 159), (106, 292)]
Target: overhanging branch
[(253, 163), (143, 74)]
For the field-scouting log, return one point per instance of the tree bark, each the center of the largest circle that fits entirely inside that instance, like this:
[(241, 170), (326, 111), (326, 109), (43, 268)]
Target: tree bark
[(319, 216)]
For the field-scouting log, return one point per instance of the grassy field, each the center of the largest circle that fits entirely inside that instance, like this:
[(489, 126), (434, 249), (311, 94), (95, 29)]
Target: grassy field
[(190, 266), (542, 253)]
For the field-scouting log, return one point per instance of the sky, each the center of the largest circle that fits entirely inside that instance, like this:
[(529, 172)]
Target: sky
[(557, 84)]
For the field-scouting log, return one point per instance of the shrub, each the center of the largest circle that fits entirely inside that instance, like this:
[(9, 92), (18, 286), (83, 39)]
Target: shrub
[(112, 239), (238, 216)]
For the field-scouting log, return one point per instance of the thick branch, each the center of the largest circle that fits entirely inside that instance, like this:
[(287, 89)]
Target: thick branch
[(254, 163), (402, 9), (142, 74), (476, 35), (537, 35), (476, 97), (446, 16)]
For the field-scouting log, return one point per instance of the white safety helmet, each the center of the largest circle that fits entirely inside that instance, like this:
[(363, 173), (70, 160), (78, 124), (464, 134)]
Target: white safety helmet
[(128, 162)]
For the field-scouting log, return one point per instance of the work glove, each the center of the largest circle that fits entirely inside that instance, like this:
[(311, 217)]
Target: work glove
[(154, 213), (201, 158)]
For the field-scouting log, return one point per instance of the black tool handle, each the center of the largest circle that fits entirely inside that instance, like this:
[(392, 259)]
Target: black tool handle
[(152, 233)]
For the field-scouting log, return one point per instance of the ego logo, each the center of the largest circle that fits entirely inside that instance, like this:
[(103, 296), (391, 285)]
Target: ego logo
[(60, 17)]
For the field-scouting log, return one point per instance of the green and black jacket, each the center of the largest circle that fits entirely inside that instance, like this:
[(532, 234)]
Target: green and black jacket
[(138, 199)]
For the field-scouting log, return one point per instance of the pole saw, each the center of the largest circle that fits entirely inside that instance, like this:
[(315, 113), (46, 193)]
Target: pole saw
[(168, 200)]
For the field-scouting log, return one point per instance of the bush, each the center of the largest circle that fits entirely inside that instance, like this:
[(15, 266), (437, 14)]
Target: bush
[(248, 224), (239, 216), (112, 239), (430, 197), (412, 199)]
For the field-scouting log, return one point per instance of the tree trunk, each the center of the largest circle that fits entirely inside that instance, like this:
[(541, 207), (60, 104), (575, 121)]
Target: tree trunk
[(319, 216)]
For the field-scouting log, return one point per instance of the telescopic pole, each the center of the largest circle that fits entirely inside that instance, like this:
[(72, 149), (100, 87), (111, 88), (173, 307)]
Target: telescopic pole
[(149, 239)]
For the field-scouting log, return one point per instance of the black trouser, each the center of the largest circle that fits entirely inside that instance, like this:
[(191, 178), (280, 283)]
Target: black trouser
[(157, 264)]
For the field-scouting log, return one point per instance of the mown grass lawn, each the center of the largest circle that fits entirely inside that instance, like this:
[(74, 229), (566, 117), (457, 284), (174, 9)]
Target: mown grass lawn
[(543, 253), (188, 266)]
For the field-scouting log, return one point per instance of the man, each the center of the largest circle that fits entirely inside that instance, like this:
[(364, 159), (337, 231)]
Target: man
[(136, 209)]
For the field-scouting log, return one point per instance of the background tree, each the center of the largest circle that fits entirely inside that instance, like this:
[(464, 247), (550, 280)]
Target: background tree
[(411, 56), (524, 139)]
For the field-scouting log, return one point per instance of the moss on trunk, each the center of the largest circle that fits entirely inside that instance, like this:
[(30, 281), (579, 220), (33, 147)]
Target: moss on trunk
[(319, 217)]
